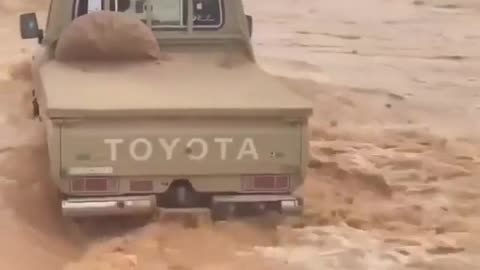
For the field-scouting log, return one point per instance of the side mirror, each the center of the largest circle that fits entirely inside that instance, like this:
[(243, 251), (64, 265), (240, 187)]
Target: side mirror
[(29, 27), (250, 24)]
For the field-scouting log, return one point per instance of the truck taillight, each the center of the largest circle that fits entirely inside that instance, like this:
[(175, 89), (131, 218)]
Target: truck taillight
[(267, 183), (91, 184)]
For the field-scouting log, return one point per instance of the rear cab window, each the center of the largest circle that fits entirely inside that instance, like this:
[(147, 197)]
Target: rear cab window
[(82, 7), (165, 14)]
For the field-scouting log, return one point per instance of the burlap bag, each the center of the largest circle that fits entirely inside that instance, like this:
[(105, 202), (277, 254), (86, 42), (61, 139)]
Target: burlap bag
[(106, 36)]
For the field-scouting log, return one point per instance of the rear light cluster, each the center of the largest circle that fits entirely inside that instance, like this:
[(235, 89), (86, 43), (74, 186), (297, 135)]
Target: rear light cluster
[(250, 183), (93, 184), (102, 184), (266, 183)]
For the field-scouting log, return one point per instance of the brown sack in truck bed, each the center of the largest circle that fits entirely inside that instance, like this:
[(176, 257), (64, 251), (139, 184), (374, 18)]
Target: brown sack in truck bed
[(107, 36)]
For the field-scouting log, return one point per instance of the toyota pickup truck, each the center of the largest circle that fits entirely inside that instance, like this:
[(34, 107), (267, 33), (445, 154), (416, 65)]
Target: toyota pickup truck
[(189, 133)]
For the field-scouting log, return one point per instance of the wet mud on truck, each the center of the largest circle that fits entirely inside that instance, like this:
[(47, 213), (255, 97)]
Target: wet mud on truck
[(190, 133)]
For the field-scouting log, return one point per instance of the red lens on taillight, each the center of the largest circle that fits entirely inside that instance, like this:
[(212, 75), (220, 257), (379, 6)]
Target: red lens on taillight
[(78, 185), (282, 182), (96, 184), (268, 183), (90, 184), (264, 182)]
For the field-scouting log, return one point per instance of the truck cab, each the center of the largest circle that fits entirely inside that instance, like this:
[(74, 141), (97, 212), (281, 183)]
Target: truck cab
[(189, 133)]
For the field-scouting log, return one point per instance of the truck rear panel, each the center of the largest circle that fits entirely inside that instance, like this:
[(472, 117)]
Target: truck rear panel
[(145, 155)]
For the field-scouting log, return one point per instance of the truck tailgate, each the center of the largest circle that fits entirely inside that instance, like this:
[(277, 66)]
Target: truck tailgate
[(181, 146)]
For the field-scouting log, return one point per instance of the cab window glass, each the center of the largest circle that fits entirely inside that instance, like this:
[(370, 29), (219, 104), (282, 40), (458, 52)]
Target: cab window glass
[(120, 5), (207, 14), (167, 13), (82, 7)]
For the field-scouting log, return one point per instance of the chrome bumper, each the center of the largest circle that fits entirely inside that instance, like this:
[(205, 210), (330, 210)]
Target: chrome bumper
[(289, 205), (144, 205), (109, 206)]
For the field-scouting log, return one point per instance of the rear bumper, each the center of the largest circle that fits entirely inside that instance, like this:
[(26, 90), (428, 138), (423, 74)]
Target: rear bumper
[(144, 205), (289, 205), (109, 206)]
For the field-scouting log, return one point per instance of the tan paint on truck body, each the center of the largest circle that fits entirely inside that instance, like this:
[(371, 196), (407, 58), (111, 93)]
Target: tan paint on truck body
[(220, 148), (208, 114), (184, 85)]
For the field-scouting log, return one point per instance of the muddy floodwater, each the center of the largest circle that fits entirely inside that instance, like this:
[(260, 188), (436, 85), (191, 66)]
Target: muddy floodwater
[(394, 178)]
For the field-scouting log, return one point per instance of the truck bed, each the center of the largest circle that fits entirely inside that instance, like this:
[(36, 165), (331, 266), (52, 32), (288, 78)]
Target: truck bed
[(181, 86)]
